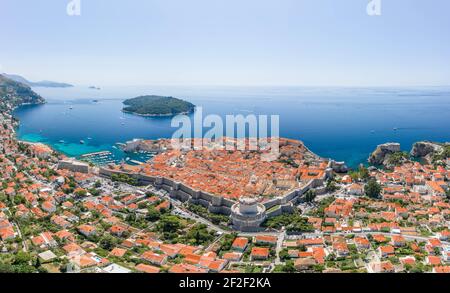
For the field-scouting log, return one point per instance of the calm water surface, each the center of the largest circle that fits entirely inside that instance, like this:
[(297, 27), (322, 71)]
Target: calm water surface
[(341, 123)]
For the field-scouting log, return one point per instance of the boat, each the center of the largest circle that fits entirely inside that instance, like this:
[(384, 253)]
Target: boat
[(89, 138), (61, 141), (395, 128), (82, 142), (71, 107)]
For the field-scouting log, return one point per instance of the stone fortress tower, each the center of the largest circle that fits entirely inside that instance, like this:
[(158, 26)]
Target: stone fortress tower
[(248, 214)]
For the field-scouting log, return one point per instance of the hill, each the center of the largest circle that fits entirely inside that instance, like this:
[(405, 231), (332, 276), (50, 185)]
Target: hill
[(157, 106), (13, 94), (44, 83)]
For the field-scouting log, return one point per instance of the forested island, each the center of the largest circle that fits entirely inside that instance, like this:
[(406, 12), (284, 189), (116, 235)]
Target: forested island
[(157, 106)]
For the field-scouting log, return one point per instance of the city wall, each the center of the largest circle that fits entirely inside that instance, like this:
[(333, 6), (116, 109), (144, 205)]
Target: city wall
[(218, 204)]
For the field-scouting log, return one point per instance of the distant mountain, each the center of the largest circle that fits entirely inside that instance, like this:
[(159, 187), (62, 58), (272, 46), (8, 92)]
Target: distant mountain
[(44, 83), (157, 106), (13, 94)]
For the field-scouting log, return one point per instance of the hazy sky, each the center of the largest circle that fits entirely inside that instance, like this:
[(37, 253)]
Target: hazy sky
[(228, 42)]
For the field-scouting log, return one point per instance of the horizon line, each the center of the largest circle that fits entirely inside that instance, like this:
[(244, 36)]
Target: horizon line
[(242, 85)]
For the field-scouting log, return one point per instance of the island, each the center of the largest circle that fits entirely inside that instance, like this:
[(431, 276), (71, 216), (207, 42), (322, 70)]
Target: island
[(157, 106)]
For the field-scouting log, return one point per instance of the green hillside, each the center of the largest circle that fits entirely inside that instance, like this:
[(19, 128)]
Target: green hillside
[(13, 94)]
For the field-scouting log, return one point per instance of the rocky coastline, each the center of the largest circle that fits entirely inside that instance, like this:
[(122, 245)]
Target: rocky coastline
[(382, 152), (427, 151)]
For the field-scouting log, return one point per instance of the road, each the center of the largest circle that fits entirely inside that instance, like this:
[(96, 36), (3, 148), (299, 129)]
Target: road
[(179, 209), (182, 211), (24, 243), (408, 237)]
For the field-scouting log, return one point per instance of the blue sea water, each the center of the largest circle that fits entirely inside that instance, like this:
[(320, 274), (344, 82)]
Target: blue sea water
[(340, 123)]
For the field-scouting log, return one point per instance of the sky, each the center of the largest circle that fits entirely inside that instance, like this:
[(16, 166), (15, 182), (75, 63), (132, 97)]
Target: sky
[(228, 42)]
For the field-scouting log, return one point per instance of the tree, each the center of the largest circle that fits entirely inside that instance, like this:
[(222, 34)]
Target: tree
[(293, 222), (169, 223), (22, 258), (130, 218), (199, 235), (284, 254), (124, 178), (227, 241), (372, 189), (81, 193), (37, 262), (363, 172), (397, 158), (310, 196), (153, 214), (94, 192), (331, 186), (289, 267), (107, 242), (318, 268), (354, 175)]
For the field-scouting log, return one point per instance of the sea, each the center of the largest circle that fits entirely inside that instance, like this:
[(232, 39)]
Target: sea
[(345, 124)]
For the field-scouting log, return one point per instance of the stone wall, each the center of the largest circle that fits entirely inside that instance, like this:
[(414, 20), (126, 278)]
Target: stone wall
[(215, 204), (73, 166), (218, 204), (282, 209), (294, 196)]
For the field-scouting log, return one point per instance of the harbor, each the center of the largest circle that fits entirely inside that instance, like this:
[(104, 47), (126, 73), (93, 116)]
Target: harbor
[(116, 156)]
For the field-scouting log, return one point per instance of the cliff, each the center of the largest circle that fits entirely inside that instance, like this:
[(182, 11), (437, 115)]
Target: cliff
[(430, 151), (339, 167), (382, 152)]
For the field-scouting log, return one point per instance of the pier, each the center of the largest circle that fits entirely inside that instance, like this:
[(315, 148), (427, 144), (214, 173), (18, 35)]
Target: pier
[(102, 153)]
